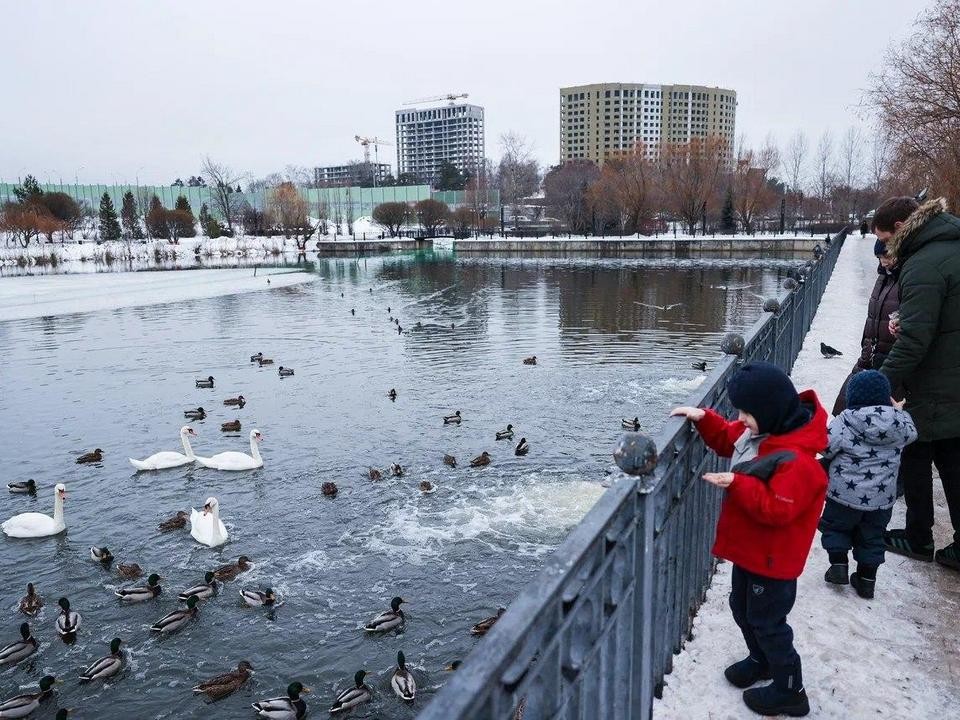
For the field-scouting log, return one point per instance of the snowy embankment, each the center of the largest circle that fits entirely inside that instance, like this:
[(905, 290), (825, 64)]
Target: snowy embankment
[(27, 297), (896, 656)]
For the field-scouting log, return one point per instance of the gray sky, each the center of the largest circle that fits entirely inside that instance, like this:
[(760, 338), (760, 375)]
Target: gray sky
[(108, 91)]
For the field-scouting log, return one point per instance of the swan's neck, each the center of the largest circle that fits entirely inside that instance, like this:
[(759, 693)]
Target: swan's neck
[(186, 445), (58, 509), (254, 449), (215, 525)]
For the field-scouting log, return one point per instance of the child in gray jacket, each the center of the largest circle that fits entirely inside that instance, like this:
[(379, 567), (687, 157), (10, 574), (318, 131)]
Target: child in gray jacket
[(866, 440)]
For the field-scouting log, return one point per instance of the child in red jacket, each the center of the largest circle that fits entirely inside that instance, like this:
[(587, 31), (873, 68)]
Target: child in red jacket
[(774, 497)]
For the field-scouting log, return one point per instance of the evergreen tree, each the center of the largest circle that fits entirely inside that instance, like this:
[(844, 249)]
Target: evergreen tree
[(109, 225), (450, 177), (130, 217), (209, 223), (157, 219), (183, 217), (29, 190), (728, 221)]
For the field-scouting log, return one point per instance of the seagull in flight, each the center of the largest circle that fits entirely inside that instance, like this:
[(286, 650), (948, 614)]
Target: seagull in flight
[(658, 307)]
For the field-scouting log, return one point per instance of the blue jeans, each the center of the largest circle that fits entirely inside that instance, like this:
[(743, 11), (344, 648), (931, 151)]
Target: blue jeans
[(846, 527)]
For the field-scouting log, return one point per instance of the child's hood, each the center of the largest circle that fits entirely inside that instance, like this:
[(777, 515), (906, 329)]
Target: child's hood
[(811, 437), (879, 425)]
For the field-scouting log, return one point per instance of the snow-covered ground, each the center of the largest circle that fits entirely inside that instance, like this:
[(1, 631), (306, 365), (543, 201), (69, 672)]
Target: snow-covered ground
[(27, 297), (896, 656)]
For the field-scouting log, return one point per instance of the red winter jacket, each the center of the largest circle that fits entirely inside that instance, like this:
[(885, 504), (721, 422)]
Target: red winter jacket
[(767, 527)]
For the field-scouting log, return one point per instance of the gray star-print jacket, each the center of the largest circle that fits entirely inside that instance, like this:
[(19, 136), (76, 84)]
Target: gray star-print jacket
[(864, 455)]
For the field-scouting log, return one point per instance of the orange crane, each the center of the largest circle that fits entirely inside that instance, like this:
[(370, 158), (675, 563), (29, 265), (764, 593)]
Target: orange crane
[(450, 97)]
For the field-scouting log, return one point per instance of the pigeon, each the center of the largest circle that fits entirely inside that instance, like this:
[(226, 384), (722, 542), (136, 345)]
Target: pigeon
[(829, 352)]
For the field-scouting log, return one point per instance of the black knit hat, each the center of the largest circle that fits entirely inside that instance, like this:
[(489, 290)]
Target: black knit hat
[(765, 391), (868, 388), (879, 248)]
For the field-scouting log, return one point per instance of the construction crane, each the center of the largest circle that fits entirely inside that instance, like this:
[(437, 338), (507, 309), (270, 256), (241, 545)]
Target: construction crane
[(366, 142), (450, 97)]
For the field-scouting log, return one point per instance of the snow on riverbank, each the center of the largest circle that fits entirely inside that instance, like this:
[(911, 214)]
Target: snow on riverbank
[(28, 297), (897, 656)]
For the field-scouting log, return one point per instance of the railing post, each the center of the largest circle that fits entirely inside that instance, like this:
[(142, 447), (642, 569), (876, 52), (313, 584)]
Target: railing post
[(643, 611)]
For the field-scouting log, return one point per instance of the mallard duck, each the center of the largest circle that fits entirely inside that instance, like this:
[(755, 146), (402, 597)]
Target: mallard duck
[(353, 311), (101, 555), (129, 571), (396, 470), (506, 434), (452, 419), (374, 474), (238, 400), (139, 594), (217, 688), (450, 460), (427, 487), (232, 426), (91, 457), (259, 598), (402, 681), (31, 603), (483, 627), (452, 326), (388, 619), (27, 486), (630, 424), (351, 697), (22, 705), (329, 489), (532, 360), (418, 326), (392, 394), (202, 591), (522, 448), (284, 371), (176, 522), (700, 365), (231, 570), (265, 361), (208, 383), (291, 707), (198, 414), (481, 460), (68, 622), (178, 618), (399, 329), (21, 649), (107, 666), (257, 357), (454, 666)]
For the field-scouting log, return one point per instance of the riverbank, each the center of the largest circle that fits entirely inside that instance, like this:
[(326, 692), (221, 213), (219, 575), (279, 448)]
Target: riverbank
[(615, 246)]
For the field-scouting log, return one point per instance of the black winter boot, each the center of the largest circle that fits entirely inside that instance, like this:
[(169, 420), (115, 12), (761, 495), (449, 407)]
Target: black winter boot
[(863, 586), (747, 672), (838, 574), (784, 696)]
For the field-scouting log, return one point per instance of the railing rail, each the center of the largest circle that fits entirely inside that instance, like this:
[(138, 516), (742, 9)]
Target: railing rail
[(593, 635)]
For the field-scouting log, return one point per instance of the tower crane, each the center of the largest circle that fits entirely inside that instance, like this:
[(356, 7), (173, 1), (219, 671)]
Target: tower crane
[(366, 142), (450, 97)]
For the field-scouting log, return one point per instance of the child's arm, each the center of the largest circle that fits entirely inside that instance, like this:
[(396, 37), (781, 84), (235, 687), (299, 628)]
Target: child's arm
[(778, 502), (719, 434), (835, 435)]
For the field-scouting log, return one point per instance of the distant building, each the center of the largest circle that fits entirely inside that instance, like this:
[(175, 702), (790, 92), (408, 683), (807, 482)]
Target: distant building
[(429, 137), (609, 119), (358, 173)]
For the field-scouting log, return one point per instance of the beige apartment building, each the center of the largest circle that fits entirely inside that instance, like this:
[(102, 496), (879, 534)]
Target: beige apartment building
[(609, 119)]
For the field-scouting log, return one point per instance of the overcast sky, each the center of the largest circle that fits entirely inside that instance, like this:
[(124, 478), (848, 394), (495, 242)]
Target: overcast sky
[(108, 91)]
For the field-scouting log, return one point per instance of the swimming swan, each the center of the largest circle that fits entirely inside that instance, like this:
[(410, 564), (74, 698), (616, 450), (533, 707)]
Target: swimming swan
[(206, 527), (169, 459), (237, 460), (32, 524)]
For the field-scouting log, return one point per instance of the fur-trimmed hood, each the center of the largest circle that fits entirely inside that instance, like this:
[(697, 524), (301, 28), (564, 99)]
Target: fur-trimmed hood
[(917, 219)]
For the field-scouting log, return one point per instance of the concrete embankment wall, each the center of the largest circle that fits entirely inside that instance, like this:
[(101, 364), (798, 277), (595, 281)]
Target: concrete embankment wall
[(646, 246), (354, 247)]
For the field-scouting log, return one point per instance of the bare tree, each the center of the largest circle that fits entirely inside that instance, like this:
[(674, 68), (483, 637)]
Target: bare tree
[(690, 177), (626, 191), (565, 188), (750, 182), (795, 160), (917, 98), (881, 153), (431, 214), (824, 167), (290, 209), (222, 181), (477, 192), (518, 174), (391, 216)]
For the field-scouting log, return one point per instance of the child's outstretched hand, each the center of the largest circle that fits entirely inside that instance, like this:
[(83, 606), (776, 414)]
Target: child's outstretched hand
[(898, 404), (691, 413), (719, 479)]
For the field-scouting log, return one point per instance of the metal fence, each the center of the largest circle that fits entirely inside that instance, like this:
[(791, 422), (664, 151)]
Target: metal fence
[(592, 637)]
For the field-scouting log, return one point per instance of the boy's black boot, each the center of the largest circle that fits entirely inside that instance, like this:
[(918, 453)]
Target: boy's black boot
[(746, 672), (838, 574), (864, 580), (784, 696)]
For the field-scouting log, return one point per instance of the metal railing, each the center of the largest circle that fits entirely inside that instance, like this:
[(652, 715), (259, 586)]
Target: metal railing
[(592, 637)]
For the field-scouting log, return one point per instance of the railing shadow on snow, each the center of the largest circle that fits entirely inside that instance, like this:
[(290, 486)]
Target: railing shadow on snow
[(592, 636)]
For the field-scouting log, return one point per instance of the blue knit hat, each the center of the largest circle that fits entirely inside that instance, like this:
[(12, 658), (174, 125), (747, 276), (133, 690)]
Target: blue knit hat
[(867, 388), (879, 248), (765, 391)]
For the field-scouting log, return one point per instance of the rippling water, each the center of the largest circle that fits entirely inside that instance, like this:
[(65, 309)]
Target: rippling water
[(120, 379)]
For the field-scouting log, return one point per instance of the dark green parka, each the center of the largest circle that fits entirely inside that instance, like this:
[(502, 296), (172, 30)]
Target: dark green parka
[(926, 354)]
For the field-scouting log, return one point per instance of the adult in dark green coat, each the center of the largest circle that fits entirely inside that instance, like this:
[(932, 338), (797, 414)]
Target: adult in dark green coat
[(925, 240)]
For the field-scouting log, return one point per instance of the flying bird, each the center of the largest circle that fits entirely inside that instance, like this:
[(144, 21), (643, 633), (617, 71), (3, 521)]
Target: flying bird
[(658, 307)]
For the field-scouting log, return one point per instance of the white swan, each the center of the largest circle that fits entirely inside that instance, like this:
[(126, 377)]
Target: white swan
[(32, 524), (206, 527), (162, 460), (237, 460)]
